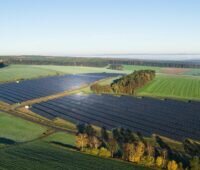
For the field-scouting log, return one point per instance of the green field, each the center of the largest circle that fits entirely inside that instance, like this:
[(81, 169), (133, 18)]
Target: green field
[(18, 72), (61, 137), (40, 155), (132, 68), (18, 130), (180, 87), (51, 152)]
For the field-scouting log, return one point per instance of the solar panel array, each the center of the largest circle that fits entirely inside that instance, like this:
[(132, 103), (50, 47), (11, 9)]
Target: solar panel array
[(174, 119), (30, 89)]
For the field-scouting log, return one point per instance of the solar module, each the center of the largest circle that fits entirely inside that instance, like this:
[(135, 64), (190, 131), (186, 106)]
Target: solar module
[(31, 89), (170, 118)]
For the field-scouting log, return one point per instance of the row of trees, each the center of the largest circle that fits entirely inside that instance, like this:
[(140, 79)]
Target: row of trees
[(115, 67), (124, 144), (96, 62), (126, 84)]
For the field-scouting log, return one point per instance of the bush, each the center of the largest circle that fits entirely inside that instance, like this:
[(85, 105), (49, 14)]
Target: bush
[(92, 151), (103, 152)]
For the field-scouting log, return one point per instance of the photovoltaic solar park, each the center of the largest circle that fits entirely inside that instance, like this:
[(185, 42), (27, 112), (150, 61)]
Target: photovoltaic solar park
[(173, 119), (169, 118), (30, 89), (63, 111)]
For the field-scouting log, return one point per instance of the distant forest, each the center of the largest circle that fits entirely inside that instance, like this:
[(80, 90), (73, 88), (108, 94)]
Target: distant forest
[(94, 62), (126, 84)]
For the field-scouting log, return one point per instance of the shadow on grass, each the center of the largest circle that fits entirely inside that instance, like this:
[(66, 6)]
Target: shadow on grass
[(63, 145), (7, 141)]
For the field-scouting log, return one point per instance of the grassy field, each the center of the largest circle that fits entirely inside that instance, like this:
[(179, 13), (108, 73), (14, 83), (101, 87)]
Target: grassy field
[(40, 155), (61, 137), (18, 130), (132, 68), (17, 72), (52, 152), (77, 69), (182, 87)]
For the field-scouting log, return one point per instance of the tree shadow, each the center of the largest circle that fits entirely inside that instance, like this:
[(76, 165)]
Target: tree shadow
[(7, 141), (63, 145)]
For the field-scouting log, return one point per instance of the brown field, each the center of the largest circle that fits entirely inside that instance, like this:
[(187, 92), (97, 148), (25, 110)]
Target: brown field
[(174, 70)]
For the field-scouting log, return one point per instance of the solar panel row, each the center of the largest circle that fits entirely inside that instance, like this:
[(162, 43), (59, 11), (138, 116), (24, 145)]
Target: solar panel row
[(30, 89), (174, 119)]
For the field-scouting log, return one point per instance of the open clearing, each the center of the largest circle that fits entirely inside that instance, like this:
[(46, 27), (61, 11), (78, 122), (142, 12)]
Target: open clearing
[(179, 87)]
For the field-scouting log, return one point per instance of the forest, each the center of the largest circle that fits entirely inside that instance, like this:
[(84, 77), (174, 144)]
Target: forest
[(133, 147), (94, 61), (127, 84)]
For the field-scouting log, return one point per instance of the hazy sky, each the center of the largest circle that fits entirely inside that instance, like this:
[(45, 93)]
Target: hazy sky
[(64, 27)]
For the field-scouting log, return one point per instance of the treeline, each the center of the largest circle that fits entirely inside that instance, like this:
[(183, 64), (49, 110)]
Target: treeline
[(126, 84), (115, 67), (132, 147), (94, 62), (63, 61)]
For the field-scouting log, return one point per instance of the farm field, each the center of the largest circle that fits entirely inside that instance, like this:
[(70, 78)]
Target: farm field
[(147, 116), (51, 152), (178, 87), (31, 89), (18, 72), (132, 68), (40, 155), (13, 129), (164, 70), (168, 86)]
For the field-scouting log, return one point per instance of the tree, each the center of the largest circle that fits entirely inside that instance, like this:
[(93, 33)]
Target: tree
[(112, 146), (81, 140), (159, 161), (128, 136), (180, 166), (103, 152), (140, 136), (172, 165), (128, 151), (148, 160), (195, 163), (104, 134), (139, 152), (93, 142), (81, 128), (164, 154), (150, 150), (90, 131)]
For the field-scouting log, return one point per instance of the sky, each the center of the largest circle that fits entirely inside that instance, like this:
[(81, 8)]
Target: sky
[(87, 27)]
